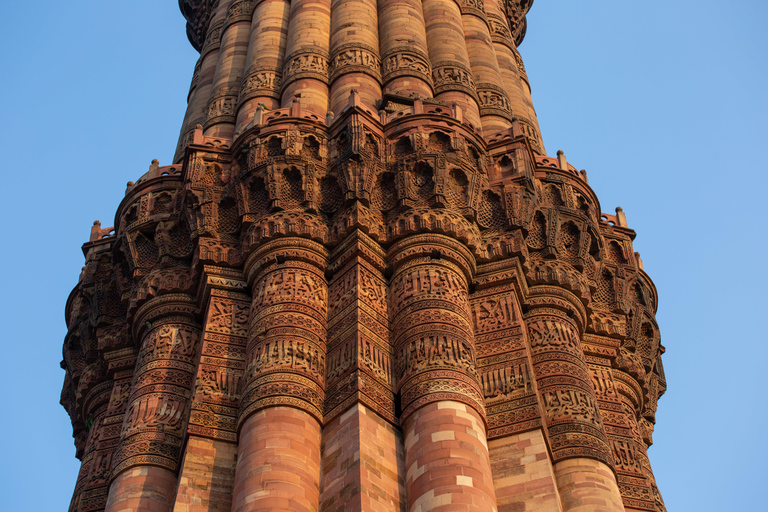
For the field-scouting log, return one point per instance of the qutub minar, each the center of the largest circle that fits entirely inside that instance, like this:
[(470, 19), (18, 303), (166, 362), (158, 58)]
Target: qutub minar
[(362, 285)]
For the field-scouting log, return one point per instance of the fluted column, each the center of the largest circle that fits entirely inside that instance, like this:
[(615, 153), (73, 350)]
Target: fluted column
[(451, 70), (219, 120), (580, 449), (495, 110), (264, 62), (354, 52), (305, 71), (629, 442), (93, 479), (202, 80), (513, 73), (446, 453), (403, 45), (278, 462), (144, 471)]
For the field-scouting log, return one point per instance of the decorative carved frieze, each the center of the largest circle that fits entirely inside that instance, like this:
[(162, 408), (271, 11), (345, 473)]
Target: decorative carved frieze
[(308, 62), (405, 61), (452, 76), (260, 81), (493, 101), (387, 263), (354, 58)]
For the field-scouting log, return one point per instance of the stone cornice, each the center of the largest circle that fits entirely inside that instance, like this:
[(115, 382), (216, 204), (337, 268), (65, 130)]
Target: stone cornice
[(197, 14)]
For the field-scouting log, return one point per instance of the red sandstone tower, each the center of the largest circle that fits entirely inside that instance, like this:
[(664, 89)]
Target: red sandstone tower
[(362, 285)]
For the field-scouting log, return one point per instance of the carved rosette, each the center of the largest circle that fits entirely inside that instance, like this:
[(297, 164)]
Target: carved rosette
[(309, 62), (452, 76), (354, 58), (157, 409), (405, 61), (571, 415), (260, 81), (431, 322), (286, 347), (494, 101)]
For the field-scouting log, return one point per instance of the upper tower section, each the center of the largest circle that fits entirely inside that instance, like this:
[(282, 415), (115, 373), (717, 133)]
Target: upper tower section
[(269, 54), (197, 13)]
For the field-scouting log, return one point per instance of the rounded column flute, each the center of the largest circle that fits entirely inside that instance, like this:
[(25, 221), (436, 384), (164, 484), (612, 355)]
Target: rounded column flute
[(278, 462), (443, 418), (144, 470), (580, 449)]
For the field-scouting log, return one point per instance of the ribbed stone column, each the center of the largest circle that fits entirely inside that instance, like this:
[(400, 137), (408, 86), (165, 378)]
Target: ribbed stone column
[(278, 462), (495, 110), (202, 80), (264, 62), (451, 70), (587, 485), (446, 453), (403, 44), (219, 120), (92, 481), (629, 450), (580, 449), (144, 470), (529, 120), (305, 71), (354, 52), (512, 72)]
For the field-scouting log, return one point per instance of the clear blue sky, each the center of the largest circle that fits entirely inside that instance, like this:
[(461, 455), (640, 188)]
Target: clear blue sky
[(663, 104)]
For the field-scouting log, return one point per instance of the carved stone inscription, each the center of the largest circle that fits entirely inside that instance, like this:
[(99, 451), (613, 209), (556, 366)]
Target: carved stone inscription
[(507, 381), (290, 285), (227, 317), (549, 333), (432, 326), (218, 383), (424, 283), (574, 425), (164, 412), (286, 354), (219, 380), (493, 313), (158, 404), (170, 342), (569, 404), (436, 351)]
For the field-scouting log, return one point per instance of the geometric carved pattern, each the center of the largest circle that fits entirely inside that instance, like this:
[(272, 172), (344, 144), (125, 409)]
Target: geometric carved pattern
[(362, 278)]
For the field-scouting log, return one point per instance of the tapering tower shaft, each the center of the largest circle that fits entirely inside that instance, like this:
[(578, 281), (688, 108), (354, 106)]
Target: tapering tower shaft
[(362, 285)]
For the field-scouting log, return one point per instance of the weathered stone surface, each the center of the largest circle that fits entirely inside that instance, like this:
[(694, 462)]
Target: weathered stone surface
[(362, 285)]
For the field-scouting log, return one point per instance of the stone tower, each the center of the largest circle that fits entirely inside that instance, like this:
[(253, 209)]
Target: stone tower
[(362, 285)]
